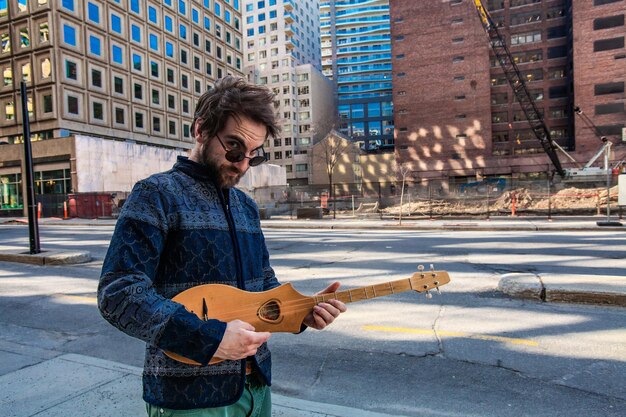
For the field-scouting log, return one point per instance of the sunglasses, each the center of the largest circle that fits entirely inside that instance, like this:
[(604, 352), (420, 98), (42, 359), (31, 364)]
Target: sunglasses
[(237, 155)]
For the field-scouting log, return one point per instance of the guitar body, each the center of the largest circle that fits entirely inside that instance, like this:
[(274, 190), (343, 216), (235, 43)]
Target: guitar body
[(281, 309)]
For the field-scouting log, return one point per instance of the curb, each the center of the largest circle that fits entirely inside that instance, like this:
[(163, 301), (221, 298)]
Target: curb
[(46, 257), (584, 289)]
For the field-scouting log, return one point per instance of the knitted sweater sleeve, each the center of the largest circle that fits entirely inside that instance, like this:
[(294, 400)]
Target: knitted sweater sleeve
[(126, 296)]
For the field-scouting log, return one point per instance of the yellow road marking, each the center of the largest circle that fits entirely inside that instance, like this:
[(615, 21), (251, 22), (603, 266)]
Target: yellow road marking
[(511, 340)]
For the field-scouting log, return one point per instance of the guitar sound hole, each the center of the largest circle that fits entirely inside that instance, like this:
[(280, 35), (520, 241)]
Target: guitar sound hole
[(269, 311)]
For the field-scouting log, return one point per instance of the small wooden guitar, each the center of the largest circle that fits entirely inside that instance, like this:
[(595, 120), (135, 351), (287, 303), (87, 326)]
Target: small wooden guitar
[(282, 309)]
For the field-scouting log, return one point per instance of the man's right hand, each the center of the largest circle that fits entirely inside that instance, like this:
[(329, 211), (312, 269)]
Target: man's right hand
[(240, 341)]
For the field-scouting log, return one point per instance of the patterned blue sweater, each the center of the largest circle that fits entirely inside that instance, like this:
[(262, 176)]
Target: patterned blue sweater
[(176, 231)]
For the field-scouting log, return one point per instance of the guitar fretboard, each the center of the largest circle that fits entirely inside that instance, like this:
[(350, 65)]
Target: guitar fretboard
[(419, 282)]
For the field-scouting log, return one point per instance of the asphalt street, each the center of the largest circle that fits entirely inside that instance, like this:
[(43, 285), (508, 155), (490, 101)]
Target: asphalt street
[(470, 351)]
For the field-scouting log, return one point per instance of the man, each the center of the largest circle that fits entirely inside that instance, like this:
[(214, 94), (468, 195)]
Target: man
[(187, 227)]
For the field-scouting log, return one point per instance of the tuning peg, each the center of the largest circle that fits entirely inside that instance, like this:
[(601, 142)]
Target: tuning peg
[(429, 295), (432, 267), (438, 291), (420, 268)]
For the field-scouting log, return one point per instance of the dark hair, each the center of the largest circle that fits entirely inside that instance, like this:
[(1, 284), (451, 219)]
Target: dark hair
[(234, 97)]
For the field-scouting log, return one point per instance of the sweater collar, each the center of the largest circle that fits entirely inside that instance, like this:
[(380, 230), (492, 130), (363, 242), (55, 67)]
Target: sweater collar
[(197, 171), (193, 169)]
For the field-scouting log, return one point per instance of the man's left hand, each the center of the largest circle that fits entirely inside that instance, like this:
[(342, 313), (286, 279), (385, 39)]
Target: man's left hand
[(325, 313)]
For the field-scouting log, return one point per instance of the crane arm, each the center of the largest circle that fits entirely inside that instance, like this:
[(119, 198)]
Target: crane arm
[(516, 81)]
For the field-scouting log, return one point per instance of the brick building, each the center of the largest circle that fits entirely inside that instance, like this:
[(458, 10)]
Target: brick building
[(456, 116), (599, 68)]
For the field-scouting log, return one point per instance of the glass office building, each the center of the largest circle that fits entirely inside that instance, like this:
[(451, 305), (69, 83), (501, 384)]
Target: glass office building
[(356, 55)]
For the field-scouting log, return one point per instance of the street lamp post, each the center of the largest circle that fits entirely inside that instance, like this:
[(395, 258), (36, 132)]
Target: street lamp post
[(33, 227)]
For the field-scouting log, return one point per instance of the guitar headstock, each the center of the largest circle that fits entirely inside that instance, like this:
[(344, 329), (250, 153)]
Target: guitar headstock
[(424, 281)]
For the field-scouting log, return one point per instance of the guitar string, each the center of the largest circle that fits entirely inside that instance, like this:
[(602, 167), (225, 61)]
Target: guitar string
[(306, 303), (303, 305)]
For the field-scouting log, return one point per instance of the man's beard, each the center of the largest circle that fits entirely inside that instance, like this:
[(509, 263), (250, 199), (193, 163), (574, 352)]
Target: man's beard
[(224, 176)]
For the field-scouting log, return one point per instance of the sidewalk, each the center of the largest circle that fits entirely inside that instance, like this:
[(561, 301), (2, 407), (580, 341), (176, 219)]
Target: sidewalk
[(494, 223), (103, 387)]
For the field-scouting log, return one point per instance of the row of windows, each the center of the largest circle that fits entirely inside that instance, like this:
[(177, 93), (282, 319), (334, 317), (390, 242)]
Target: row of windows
[(152, 12), (357, 110), (100, 112), (121, 116), (554, 92), (73, 70), (96, 46)]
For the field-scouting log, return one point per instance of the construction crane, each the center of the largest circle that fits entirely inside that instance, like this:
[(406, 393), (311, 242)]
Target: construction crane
[(513, 76), (588, 170)]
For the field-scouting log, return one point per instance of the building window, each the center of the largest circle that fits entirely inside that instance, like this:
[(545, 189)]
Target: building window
[(156, 124), (68, 5), (96, 78), (44, 32), (302, 167), (118, 85), (609, 88), (47, 103), (95, 45), (134, 6), (156, 97), (24, 38), (139, 120), (137, 65), (93, 12), (69, 35), (117, 54), (172, 127), (608, 22), (119, 116), (71, 70), (135, 33), (152, 14), (116, 23), (26, 75), (72, 104), (154, 69), (608, 44), (138, 91), (98, 111), (610, 108)]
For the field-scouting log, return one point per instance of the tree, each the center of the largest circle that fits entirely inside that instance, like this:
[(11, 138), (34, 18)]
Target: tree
[(329, 152)]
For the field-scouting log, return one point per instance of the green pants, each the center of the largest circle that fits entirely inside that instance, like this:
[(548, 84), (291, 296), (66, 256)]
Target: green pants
[(256, 401)]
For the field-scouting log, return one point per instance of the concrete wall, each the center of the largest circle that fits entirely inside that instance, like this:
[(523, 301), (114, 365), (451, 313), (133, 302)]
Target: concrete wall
[(265, 175), (106, 165)]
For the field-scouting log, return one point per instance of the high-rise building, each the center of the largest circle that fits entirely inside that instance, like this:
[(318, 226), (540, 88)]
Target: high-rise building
[(119, 69), (599, 69), (282, 52), (456, 114), (356, 54)]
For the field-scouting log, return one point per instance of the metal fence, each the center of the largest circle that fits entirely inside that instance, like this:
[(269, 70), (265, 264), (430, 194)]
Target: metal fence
[(437, 199)]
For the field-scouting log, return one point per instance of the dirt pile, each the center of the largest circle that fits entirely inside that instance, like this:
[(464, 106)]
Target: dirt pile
[(567, 199)]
